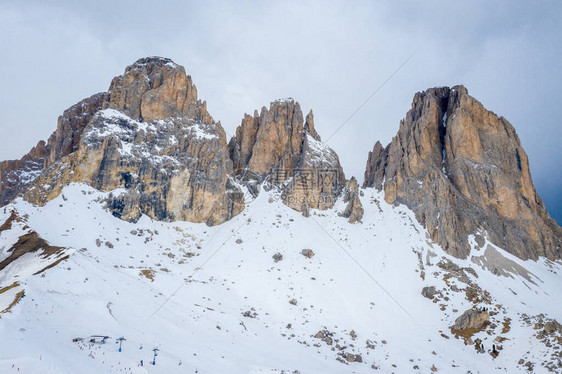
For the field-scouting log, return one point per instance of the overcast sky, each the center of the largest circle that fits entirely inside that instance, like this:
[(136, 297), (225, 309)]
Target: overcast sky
[(328, 55)]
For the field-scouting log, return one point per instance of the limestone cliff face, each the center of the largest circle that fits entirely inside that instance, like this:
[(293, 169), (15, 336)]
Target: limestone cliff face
[(152, 138), (462, 170), (272, 139), (15, 175), (71, 124), (376, 165), (156, 88), (279, 147)]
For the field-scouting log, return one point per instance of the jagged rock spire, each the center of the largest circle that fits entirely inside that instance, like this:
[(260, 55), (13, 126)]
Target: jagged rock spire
[(279, 146), (376, 165)]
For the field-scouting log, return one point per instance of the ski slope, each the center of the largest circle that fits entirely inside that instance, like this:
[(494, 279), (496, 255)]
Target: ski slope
[(213, 299)]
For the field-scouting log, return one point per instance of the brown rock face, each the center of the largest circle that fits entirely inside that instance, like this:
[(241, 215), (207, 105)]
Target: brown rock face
[(471, 319), (71, 124), (173, 169), (272, 140), (151, 88), (354, 209), (15, 175), (462, 170), (172, 163), (279, 147), (376, 165), (156, 88)]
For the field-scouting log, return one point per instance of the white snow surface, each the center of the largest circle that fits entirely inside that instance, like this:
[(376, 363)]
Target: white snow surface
[(363, 277), (320, 153), (133, 135)]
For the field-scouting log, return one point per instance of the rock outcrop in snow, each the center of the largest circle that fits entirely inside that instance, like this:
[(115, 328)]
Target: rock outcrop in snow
[(462, 170), (354, 209), (23, 252), (470, 320)]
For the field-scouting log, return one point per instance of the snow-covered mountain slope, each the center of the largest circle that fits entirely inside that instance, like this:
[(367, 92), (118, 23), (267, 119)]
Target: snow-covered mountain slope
[(213, 299)]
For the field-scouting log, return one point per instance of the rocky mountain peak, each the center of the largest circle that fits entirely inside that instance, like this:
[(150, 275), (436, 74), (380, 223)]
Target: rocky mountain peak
[(274, 137), (463, 171), (156, 88), (309, 126), (278, 146), (150, 62), (458, 166), (152, 88), (150, 136)]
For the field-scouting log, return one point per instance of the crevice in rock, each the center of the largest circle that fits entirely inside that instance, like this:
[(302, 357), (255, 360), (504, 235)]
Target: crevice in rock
[(518, 159), (443, 104)]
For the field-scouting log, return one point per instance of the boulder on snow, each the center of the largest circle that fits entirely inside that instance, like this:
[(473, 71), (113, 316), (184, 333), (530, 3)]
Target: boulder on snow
[(350, 357), (429, 292), (471, 319), (552, 326), (307, 253), (277, 257), (325, 336), (250, 313)]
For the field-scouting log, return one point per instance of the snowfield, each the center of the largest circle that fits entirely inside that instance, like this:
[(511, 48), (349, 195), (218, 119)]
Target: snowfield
[(213, 300)]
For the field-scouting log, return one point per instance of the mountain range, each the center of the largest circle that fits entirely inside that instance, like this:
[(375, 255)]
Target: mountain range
[(140, 218)]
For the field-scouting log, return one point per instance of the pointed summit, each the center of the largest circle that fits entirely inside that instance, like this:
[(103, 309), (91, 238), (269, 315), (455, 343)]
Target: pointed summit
[(156, 88), (149, 136)]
